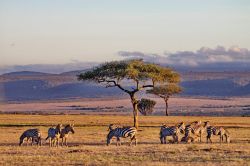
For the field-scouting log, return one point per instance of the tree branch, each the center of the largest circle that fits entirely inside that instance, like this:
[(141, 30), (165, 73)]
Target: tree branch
[(115, 84)]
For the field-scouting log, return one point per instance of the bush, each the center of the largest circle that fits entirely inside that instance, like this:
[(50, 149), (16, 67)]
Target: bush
[(146, 106)]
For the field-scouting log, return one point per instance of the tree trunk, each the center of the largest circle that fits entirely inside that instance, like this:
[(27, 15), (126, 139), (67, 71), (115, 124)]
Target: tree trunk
[(135, 111), (166, 101)]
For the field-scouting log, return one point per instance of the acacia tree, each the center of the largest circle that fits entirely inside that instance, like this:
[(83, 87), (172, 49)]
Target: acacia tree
[(165, 91), (143, 75)]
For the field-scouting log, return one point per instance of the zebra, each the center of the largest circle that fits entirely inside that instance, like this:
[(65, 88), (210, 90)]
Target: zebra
[(123, 132), (192, 130), (199, 129), (173, 131), (33, 134), (65, 133), (220, 131), (54, 135)]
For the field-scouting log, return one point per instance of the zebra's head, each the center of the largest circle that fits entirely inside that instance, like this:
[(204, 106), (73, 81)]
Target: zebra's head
[(109, 137), (22, 137), (70, 128), (196, 122), (182, 127), (21, 140), (163, 126), (111, 127), (110, 134), (206, 124)]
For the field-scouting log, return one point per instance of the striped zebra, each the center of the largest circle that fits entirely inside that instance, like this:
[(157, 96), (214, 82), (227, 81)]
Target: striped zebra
[(33, 134), (54, 135), (123, 132), (173, 131), (219, 131), (199, 129), (65, 133), (192, 131)]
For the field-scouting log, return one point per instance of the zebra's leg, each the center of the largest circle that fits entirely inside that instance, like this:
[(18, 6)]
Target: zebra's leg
[(57, 140), (221, 138), (49, 142), (32, 141), (210, 139), (117, 141), (52, 142), (39, 141), (177, 139), (66, 143), (132, 138), (62, 141), (27, 140), (174, 138), (161, 139)]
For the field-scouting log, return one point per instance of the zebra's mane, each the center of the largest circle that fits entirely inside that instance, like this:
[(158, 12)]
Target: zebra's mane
[(67, 126)]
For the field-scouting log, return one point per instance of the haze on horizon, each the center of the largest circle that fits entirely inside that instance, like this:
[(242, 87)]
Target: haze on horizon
[(58, 32)]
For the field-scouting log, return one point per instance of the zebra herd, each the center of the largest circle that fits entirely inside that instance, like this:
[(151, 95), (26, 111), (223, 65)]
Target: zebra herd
[(191, 133), (54, 134)]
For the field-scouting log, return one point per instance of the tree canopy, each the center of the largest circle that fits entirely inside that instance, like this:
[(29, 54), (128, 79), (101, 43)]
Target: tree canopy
[(165, 91), (113, 72)]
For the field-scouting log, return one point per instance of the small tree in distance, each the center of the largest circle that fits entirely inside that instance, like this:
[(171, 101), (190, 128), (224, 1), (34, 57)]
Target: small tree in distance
[(146, 106), (144, 75), (165, 91)]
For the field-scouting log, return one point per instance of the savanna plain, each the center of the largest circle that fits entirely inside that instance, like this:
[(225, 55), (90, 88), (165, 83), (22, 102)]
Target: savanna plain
[(87, 146)]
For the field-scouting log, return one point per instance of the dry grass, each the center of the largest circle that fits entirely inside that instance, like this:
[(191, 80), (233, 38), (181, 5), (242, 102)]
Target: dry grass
[(87, 145)]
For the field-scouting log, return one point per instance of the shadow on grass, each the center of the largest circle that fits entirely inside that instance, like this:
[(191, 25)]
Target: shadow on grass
[(98, 144)]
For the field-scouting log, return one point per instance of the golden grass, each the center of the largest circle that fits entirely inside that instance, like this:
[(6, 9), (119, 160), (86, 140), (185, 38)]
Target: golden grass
[(87, 145)]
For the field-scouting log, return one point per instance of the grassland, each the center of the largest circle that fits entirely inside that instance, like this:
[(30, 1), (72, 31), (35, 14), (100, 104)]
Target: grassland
[(87, 145)]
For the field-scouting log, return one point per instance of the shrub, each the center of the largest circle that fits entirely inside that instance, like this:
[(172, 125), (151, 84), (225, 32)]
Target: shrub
[(146, 106)]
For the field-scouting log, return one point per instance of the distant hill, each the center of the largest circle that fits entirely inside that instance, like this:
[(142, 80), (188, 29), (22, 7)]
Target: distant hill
[(25, 73), (21, 86), (74, 73)]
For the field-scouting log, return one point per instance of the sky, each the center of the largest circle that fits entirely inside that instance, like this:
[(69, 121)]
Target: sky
[(63, 31)]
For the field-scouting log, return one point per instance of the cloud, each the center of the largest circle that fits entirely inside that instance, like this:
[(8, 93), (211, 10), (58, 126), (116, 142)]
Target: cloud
[(139, 55), (206, 57)]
